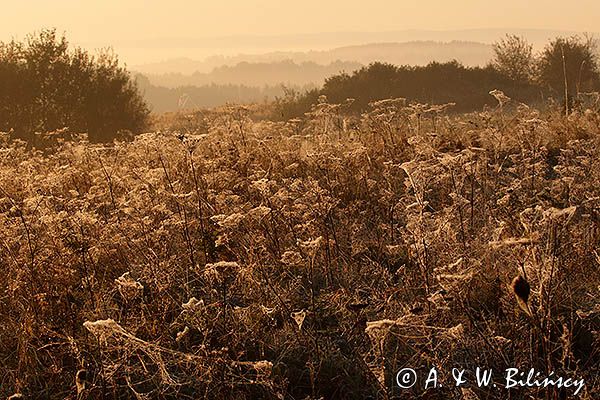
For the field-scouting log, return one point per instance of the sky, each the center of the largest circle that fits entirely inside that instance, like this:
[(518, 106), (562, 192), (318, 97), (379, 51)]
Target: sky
[(130, 25)]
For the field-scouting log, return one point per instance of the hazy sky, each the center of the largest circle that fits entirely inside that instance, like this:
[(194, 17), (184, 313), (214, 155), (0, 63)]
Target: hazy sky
[(116, 22)]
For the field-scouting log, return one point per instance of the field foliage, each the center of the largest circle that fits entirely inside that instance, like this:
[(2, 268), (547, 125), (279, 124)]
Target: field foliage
[(219, 257)]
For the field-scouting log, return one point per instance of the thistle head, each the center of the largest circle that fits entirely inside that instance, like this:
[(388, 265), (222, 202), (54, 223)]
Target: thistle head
[(521, 289)]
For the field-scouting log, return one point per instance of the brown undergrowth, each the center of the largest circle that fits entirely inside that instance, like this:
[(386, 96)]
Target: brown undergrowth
[(224, 258)]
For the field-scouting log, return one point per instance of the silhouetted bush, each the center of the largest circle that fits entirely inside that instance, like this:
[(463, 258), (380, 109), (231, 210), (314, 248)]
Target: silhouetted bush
[(46, 86), (436, 83), (569, 66), (513, 57), (294, 103)]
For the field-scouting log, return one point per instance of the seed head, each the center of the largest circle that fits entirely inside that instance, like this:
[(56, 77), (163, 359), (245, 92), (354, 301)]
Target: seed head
[(521, 289)]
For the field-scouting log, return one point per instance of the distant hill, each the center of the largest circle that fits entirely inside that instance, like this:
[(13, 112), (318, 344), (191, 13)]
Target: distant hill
[(246, 77), (406, 53), (257, 74), (162, 99), (184, 54), (410, 53)]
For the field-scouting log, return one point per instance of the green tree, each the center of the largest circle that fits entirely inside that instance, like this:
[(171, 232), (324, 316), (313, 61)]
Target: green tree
[(513, 57), (45, 85), (569, 66)]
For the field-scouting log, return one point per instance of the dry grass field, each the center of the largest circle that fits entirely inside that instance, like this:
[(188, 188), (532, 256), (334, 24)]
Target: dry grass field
[(224, 258)]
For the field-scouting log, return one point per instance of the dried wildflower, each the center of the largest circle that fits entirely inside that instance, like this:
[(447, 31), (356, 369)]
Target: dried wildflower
[(262, 185), (376, 327), (555, 213), (502, 341), (311, 245), (455, 332), (228, 221), (128, 287), (104, 328), (222, 270), (292, 258), (182, 334), (500, 96), (513, 242), (264, 367), (595, 311), (259, 212), (299, 317), (223, 266), (267, 310), (438, 300), (566, 340), (222, 240), (193, 305), (453, 277)]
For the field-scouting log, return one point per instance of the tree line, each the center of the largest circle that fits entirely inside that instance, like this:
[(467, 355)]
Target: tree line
[(257, 74), (166, 99), (565, 68), (46, 85)]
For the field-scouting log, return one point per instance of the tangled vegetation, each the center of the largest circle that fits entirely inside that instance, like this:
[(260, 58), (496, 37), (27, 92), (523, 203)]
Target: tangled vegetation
[(224, 258)]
